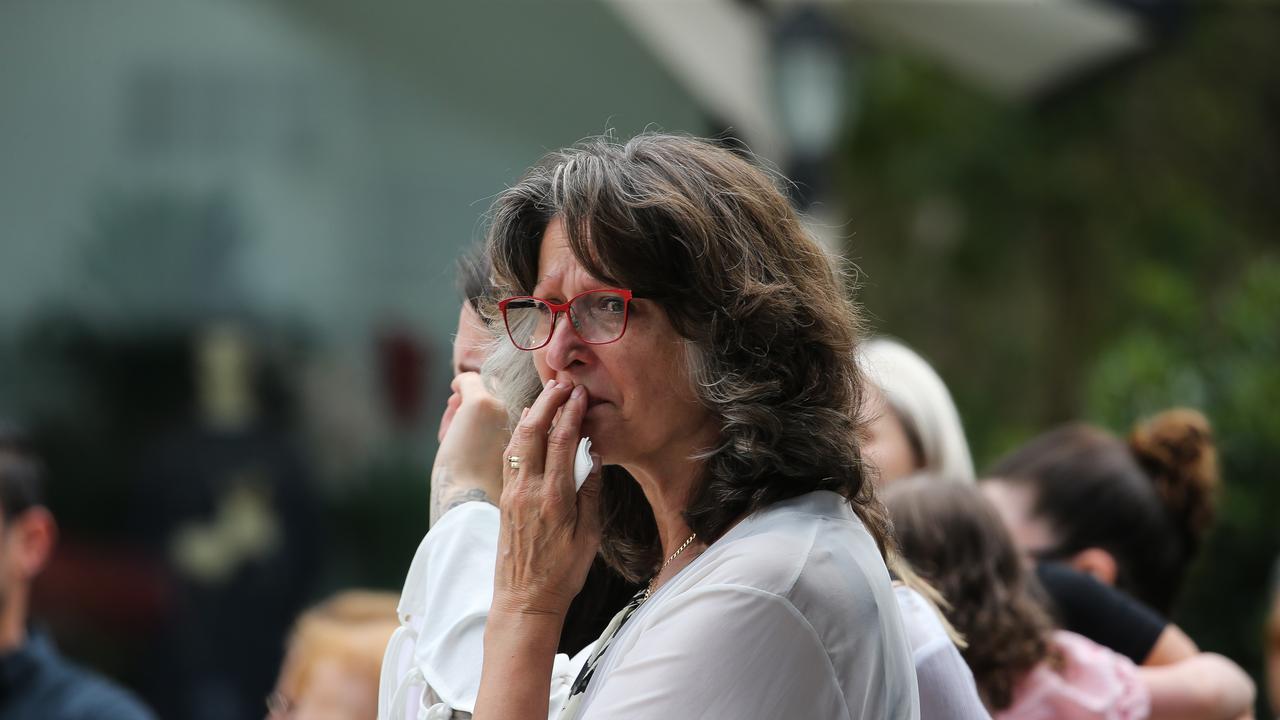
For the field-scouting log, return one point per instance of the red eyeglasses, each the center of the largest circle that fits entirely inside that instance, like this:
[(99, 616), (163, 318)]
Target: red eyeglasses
[(599, 317)]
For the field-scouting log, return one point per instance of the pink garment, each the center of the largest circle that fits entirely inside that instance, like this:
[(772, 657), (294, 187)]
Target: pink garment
[(1094, 684)]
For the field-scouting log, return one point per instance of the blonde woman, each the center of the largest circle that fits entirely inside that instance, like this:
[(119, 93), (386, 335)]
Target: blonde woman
[(913, 424), (334, 655)]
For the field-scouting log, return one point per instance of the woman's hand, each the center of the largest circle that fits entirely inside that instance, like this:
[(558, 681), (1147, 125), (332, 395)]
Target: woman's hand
[(550, 533), (548, 538), (473, 431)]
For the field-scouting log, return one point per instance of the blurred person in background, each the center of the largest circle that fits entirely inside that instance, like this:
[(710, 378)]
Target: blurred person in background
[(1090, 509), (473, 339), (1130, 513), (1026, 668), (226, 506), (333, 657), (915, 428), (913, 423), (1112, 526), (36, 683)]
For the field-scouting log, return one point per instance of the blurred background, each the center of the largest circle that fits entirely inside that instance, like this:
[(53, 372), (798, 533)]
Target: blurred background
[(226, 263)]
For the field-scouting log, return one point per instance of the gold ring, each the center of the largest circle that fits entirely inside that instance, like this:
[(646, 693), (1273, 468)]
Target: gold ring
[(513, 462)]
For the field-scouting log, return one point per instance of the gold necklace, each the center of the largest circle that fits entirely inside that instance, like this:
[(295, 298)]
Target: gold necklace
[(687, 541)]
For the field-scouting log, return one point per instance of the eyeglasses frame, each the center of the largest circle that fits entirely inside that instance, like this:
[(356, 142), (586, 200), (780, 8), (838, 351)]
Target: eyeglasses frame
[(557, 308)]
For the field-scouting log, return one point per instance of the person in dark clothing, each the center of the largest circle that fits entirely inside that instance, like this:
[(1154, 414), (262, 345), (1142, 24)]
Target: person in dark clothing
[(35, 681), (1102, 613), (1109, 616)]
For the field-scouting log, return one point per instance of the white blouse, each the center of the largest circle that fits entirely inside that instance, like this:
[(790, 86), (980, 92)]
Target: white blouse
[(789, 614), (947, 689)]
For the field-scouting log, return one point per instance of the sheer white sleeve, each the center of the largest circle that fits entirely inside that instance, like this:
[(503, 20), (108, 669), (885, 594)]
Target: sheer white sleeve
[(431, 670), (947, 689)]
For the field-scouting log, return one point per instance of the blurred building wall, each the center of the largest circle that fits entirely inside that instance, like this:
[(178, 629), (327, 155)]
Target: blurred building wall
[(322, 162)]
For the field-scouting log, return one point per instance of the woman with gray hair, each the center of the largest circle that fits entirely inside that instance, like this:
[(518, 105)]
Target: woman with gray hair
[(665, 302)]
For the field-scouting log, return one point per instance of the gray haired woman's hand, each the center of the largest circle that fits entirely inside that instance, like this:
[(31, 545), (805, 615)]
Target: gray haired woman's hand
[(550, 533), (473, 431)]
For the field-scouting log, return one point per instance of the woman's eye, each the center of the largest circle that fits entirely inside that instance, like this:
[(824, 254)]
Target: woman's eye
[(612, 304)]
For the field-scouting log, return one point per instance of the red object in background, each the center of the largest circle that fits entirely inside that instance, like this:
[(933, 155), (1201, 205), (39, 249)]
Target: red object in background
[(403, 364), (108, 585)]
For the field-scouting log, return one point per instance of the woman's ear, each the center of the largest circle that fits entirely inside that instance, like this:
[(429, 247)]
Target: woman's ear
[(1096, 562)]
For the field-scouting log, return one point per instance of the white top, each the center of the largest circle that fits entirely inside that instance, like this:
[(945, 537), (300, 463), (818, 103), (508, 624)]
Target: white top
[(431, 670), (947, 689), (790, 614)]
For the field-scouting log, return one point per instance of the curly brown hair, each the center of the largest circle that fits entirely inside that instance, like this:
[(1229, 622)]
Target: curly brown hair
[(771, 332), (954, 538)]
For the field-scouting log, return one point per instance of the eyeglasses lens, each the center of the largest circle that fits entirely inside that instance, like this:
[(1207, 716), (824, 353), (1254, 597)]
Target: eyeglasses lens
[(528, 322), (599, 317)]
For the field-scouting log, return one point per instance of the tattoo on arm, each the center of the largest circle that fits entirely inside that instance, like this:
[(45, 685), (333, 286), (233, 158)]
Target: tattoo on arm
[(472, 495), (446, 495)]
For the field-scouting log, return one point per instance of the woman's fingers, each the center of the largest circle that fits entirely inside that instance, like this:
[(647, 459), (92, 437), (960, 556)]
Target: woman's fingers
[(529, 441), (450, 409), (468, 383), (465, 386), (562, 445), (546, 543)]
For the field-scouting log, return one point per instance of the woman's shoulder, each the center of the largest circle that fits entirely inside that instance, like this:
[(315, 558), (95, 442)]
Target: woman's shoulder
[(812, 518), (810, 549)]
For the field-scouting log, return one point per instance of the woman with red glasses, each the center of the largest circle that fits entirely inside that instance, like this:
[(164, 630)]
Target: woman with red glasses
[(663, 300)]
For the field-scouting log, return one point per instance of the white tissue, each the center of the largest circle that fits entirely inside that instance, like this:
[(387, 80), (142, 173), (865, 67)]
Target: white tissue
[(582, 464)]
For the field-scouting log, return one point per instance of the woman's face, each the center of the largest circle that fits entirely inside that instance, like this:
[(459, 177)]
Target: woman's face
[(471, 344), (887, 448), (1015, 505), (642, 407)]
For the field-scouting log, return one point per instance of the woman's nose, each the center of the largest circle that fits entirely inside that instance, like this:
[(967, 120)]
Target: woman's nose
[(565, 347)]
